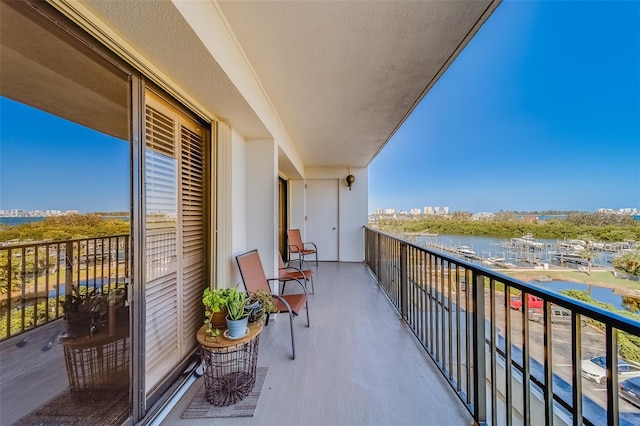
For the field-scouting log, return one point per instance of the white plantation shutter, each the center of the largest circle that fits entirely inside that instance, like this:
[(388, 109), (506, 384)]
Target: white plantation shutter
[(175, 237), (192, 185)]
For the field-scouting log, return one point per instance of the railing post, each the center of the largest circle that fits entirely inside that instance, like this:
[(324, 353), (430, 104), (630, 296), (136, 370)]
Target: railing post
[(378, 255), (611, 340), (479, 361), (403, 281), (9, 292), (68, 266)]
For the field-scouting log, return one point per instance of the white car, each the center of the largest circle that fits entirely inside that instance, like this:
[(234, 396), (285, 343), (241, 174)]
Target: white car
[(596, 369)]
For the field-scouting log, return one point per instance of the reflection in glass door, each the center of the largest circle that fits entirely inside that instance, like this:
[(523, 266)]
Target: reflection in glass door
[(64, 224)]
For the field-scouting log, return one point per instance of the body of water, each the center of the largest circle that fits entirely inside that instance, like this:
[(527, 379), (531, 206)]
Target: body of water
[(601, 294), (520, 255), (13, 221), (486, 247)]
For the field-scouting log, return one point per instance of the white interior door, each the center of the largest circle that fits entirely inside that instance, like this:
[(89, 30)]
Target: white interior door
[(322, 217)]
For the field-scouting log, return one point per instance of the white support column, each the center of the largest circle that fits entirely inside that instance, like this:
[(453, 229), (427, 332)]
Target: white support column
[(262, 201)]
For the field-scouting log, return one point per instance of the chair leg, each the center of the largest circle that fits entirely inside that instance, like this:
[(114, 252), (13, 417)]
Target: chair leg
[(293, 343), (307, 308)]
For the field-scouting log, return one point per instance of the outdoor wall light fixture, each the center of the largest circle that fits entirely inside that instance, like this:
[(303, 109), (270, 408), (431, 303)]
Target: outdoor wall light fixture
[(350, 179)]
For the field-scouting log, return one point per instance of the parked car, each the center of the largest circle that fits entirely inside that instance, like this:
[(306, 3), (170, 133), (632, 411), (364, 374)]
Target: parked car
[(630, 390), (558, 315), (596, 369), (534, 302)]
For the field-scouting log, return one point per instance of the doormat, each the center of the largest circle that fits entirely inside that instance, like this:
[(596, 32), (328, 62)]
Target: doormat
[(200, 407), (93, 408)]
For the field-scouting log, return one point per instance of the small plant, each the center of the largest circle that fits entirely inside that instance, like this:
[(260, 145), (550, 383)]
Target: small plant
[(215, 333), (214, 301), (265, 299), (86, 310), (236, 302)]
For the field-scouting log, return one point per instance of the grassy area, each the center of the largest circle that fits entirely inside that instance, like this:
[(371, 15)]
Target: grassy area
[(597, 278)]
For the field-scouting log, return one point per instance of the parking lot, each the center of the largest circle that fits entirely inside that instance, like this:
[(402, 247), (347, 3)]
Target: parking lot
[(592, 346)]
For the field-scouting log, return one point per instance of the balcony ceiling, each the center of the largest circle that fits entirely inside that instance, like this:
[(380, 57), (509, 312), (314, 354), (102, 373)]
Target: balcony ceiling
[(343, 76), (340, 76)]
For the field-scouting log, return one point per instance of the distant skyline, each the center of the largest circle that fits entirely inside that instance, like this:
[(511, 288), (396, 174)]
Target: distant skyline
[(541, 111)]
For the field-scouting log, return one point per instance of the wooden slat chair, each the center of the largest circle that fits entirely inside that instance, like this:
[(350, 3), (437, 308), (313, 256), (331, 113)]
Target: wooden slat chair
[(287, 272), (296, 246), (254, 278)]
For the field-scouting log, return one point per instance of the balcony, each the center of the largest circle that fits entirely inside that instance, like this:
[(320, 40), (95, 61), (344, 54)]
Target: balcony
[(391, 342), (358, 363), (362, 363)]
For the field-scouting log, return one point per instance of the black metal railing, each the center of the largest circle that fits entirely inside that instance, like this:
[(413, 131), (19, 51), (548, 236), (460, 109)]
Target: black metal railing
[(36, 278), (500, 342)]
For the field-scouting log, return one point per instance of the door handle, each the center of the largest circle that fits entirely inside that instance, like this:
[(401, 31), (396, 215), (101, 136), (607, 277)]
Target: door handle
[(334, 228)]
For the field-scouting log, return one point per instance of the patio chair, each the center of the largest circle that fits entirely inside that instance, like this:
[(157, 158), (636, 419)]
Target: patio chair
[(254, 278), (286, 272), (296, 246)]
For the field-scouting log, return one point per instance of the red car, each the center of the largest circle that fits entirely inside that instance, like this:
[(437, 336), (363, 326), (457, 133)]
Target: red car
[(534, 302)]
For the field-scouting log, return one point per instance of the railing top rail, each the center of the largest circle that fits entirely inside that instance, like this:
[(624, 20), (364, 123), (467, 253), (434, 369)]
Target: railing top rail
[(5, 245), (616, 320)]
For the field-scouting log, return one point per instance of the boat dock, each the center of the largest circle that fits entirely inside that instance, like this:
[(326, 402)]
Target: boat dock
[(527, 252)]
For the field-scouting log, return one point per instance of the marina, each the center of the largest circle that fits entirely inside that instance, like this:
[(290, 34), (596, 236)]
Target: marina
[(525, 251)]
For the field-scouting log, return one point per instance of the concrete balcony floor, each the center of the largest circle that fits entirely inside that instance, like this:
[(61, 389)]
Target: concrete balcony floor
[(358, 364)]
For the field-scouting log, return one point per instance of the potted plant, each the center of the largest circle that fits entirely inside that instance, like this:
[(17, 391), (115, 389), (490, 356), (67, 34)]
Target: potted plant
[(237, 315), (259, 303), (215, 305), (89, 312)]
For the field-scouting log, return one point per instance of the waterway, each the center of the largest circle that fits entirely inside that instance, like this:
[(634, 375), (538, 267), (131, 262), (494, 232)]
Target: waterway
[(13, 221), (487, 247), (520, 254)]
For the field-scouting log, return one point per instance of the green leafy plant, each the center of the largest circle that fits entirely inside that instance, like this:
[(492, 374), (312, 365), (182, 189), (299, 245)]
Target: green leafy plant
[(236, 302), (265, 299), (214, 301)]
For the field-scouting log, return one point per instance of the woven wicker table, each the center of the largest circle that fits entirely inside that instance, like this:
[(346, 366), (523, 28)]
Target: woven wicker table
[(229, 365), (99, 362)]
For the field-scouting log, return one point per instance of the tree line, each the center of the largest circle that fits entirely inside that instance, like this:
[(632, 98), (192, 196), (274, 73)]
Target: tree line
[(595, 227), (601, 227), (65, 227)]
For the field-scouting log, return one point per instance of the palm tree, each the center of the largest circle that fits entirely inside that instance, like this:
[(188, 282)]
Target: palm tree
[(588, 253)]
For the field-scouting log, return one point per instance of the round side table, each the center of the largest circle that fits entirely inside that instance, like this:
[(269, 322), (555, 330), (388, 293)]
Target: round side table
[(229, 365)]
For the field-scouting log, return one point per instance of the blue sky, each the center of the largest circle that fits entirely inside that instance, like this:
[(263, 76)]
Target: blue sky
[(48, 163), (540, 111)]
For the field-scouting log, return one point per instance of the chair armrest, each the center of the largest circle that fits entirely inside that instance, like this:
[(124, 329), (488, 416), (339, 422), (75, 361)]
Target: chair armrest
[(314, 246), (304, 290), (294, 268)]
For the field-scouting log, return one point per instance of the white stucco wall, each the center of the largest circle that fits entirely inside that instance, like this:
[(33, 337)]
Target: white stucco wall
[(352, 208), (261, 202)]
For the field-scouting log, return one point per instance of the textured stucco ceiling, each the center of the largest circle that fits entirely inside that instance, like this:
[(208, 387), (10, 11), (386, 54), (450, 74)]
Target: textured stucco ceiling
[(344, 75)]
